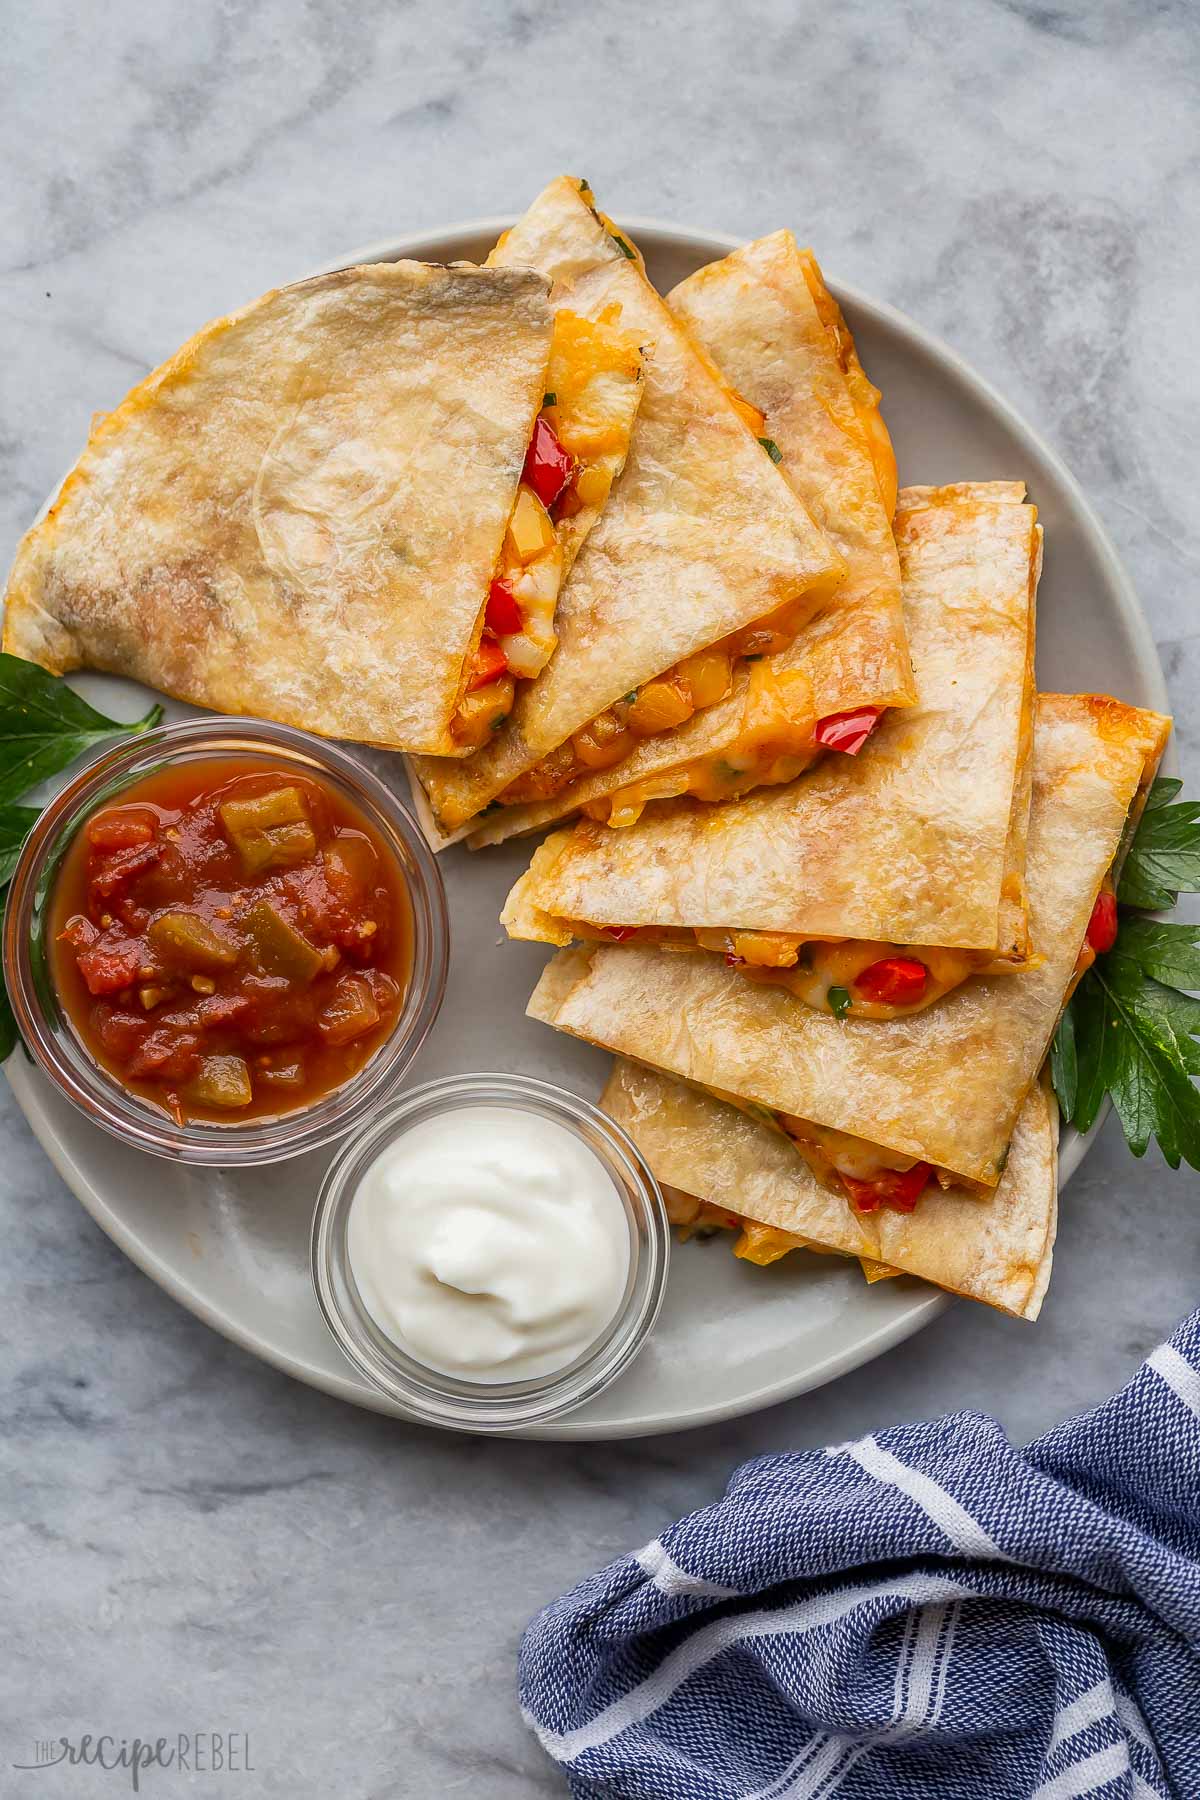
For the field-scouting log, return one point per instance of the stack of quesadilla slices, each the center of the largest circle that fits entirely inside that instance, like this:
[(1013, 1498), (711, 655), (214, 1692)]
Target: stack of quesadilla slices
[(831, 998)]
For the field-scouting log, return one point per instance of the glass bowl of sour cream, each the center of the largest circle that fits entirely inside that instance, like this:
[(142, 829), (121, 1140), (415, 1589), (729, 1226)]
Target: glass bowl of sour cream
[(490, 1252)]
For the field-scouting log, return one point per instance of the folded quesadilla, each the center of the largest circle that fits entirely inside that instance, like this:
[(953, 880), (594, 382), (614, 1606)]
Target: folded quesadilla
[(876, 885), (777, 334), (306, 513), (720, 1167), (579, 445), (704, 554), (878, 1108)]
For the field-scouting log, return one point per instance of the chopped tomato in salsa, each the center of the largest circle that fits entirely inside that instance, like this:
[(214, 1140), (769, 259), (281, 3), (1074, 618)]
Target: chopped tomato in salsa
[(898, 1188), (232, 940)]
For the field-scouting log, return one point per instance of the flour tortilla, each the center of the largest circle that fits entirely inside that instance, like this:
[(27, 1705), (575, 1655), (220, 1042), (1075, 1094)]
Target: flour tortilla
[(996, 1248), (298, 516), (701, 535), (920, 839), (944, 1085), (776, 333)]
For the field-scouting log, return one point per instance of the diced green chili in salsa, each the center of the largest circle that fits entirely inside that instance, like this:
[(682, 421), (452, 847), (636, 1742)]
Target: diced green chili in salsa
[(230, 940)]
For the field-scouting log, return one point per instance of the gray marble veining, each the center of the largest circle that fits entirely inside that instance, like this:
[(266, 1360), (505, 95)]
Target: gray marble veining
[(191, 1542)]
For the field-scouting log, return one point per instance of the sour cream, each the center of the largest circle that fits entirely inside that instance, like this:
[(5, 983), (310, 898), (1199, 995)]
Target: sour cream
[(489, 1243)]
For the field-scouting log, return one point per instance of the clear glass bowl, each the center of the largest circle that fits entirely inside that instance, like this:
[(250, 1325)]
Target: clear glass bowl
[(47, 1029), (448, 1400)]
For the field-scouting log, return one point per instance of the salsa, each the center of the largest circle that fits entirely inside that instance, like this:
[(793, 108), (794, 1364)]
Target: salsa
[(231, 940)]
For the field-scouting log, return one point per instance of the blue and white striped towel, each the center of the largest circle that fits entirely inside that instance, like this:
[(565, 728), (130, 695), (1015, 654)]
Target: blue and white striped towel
[(926, 1612)]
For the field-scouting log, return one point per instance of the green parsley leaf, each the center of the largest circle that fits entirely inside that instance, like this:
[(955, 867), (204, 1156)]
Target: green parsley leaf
[(1131, 1027), (629, 698), (1064, 1065), (1164, 858), (44, 725), (626, 250), (550, 399), (16, 822), (772, 449), (1168, 953), (839, 1001), (1134, 1038)]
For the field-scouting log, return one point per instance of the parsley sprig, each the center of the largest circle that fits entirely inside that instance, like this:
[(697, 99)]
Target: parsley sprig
[(1132, 1025), (44, 725)]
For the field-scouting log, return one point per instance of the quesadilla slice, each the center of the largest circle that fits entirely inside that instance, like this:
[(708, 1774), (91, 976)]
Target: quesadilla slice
[(302, 514), (770, 324), (872, 886), (704, 554), (579, 445), (880, 1108), (721, 1168)]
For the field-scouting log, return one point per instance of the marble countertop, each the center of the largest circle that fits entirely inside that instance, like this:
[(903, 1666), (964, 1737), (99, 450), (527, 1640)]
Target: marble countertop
[(191, 1541)]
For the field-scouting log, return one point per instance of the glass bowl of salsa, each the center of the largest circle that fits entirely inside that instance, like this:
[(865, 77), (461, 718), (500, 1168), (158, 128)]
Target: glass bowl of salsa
[(226, 941)]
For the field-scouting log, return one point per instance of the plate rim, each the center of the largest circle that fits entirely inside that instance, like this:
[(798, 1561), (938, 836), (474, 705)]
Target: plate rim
[(927, 1302)]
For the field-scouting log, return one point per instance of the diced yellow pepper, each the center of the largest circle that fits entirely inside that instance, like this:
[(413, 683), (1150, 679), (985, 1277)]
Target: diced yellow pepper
[(530, 531), (766, 949), (708, 674), (661, 705), (592, 486), (483, 711)]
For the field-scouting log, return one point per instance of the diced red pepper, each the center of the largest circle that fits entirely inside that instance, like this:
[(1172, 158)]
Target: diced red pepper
[(489, 664), (893, 981), (1102, 926), (620, 934), (847, 731), (503, 614), (548, 467), (734, 962), (121, 830), (111, 964), (898, 1188)]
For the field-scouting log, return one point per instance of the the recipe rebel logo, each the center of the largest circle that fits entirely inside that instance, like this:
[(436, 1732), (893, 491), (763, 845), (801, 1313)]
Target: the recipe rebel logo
[(187, 1752)]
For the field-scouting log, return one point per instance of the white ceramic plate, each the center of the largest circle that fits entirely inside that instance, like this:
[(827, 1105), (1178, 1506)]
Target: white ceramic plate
[(234, 1248)]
